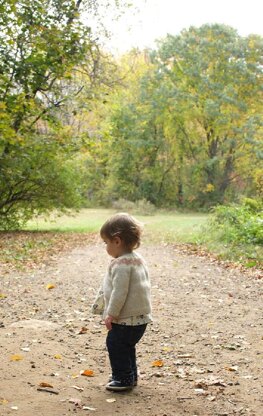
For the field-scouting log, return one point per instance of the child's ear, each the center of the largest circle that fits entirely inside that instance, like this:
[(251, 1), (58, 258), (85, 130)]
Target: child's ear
[(117, 240)]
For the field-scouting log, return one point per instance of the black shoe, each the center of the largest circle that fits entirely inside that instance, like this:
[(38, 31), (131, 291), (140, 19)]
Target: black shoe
[(135, 383), (115, 385)]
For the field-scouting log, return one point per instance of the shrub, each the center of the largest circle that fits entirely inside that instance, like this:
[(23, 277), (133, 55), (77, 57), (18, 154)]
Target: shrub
[(240, 224)]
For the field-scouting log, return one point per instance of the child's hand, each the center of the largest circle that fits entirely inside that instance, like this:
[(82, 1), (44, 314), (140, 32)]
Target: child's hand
[(108, 321)]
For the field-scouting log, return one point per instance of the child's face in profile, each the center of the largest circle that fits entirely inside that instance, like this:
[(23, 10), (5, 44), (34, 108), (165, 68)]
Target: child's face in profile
[(114, 247)]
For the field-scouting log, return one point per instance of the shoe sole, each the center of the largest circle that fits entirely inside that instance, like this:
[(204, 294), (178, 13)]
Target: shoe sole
[(111, 388), (135, 384)]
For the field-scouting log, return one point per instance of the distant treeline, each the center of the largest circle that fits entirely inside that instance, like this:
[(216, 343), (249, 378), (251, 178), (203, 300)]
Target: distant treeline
[(180, 125)]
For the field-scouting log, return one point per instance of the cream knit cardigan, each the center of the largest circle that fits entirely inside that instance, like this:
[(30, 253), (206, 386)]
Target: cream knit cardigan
[(127, 287)]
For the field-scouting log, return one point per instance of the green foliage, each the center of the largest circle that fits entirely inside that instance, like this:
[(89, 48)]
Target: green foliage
[(181, 129), (33, 180), (241, 224), (185, 128), (207, 69), (41, 46), (236, 232)]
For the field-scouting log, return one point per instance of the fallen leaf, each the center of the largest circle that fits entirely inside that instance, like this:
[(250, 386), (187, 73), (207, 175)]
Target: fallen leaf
[(87, 373), (43, 384), (2, 296), (3, 401), (50, 286), (233, 368), (110, 400), (157, 363), (16, 357), (83, 330), (58, 357), (75, 376)]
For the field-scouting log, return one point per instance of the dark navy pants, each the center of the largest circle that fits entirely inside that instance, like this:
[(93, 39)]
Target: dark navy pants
[(121, 343)]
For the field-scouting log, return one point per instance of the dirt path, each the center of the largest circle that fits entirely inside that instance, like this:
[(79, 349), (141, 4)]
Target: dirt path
[(207, 333)]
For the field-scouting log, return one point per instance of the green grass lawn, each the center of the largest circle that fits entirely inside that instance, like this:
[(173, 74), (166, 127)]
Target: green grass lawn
[(172, 228), (86, 220), (167, 227)]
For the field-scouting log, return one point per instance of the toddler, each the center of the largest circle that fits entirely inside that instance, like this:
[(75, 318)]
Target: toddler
[(126, 299)]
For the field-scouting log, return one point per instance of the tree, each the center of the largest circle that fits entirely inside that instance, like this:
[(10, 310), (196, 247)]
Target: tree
[(183, 126), (214, 78), (41, 46), (132, 168)]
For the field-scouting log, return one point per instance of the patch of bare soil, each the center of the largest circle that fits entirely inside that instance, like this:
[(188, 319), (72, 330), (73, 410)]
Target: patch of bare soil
[(201, 356), (24, 250)]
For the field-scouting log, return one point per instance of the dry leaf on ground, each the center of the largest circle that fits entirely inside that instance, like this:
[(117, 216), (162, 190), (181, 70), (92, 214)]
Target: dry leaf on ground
[(16, 357), (83, 330), (50, 286), (87, 373), (43, 384), (233, 368), (157, 363)]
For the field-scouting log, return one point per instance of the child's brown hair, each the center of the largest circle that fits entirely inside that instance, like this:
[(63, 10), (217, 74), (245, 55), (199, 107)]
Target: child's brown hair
[(124, 226)]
